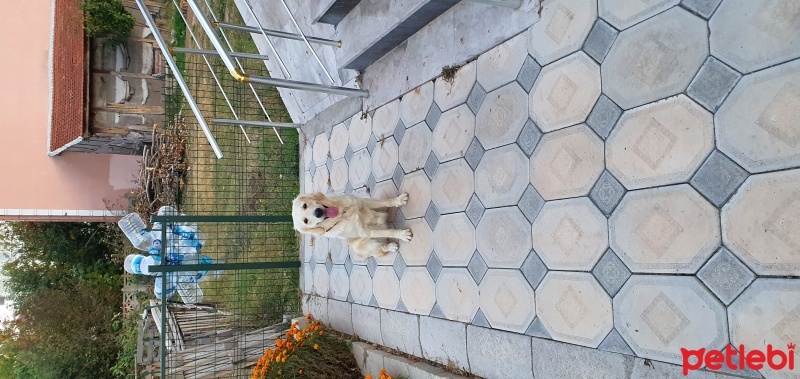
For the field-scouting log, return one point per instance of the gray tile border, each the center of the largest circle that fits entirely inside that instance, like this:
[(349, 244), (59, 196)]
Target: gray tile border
[(713, 83), (533, 269), (599, 41), (436, 311), (498, 354), (480, 320), (746, 373), (604, 116), (611, 272), (401, 331), (444, 341), (398, 176), (340, 316), (399, 266), (475, 210), (529, 137), (615, 344), (476, 97), (718, 178), (725, 275), (531, 203), (537, 329), (432, 118), (477, 267), (703, 8), (434, 266), (474, 153), (432, 215), (552, 359), (607, 192), (528, 73), (399, 219), (364, 325), (372, 264), (431, 165), (399, 131)]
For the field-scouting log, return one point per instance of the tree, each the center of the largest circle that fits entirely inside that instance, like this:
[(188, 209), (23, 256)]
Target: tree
[(107, 19)]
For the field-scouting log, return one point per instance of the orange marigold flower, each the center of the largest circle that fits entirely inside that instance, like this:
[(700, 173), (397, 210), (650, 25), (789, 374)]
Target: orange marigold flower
[(316, 346), (308, 316), (368, 377), (300, 371), (321, 332)]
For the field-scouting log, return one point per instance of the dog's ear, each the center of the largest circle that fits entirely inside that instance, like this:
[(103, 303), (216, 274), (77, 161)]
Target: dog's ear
[(317, 231)]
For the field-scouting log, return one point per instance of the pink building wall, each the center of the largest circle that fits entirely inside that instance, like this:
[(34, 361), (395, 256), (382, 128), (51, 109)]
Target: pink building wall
[(34, 186)]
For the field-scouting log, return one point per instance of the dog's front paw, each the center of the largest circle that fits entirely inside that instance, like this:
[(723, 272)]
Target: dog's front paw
[(405, 235), (402, 199), (391, 247)]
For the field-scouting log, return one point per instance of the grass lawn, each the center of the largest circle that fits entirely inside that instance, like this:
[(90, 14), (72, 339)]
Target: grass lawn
[(255, 178)]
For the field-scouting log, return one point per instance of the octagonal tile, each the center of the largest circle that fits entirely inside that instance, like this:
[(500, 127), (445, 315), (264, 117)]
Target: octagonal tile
[(453, 133), (454, 239), (751, 35), (320, 150), (360, 168), (321, 280), (501, 64), (340, 283), (659, 315), (339, 175), (457, 294), (501, 116), (384, 159), (760, 223), (417, 251), (308, 153), (307, 280), (415, 147), (767, 313), (655, 59), (385, 119), (308, 182), (574, 308), (418, 188), (338, 250), (757, 125), (660, 143), (418, 290), (340, 138), (384, 190), (664, 230), (570, 234), (321, 180), (360, 285), (321, 249), (561, 29), (386, 287), (501, 176), (414, 105), (566, 163), (626, 13), (503, 237), (507, 300), (453, 92), (565, 92), (452, 186), (360, 131)]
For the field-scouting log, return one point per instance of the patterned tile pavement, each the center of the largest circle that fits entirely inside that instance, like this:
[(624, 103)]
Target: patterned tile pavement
[(599, 180)]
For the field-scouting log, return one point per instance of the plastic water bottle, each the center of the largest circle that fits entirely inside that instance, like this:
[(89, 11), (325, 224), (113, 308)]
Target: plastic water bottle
[(139, 264), (170, 287), (135, 229), (190, 291)]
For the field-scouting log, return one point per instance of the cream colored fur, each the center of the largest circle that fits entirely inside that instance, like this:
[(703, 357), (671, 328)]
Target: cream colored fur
[(361, 221)]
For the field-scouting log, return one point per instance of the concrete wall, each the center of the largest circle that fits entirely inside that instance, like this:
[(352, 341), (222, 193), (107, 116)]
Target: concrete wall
[(31, 179)]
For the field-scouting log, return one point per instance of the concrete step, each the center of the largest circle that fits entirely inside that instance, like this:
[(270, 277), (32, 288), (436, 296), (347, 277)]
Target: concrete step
[(375, 27), (331, 11)]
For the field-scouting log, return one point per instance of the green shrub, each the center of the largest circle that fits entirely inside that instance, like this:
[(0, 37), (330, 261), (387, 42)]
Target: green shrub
[(107, 19)]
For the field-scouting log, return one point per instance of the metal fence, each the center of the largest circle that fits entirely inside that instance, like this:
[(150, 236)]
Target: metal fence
[(241, 205)]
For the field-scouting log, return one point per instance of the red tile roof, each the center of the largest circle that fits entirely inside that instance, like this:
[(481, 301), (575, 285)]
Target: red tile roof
[(69, 65)]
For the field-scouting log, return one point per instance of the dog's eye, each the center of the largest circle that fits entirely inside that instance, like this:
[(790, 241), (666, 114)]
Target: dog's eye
[(305, 206), (305, 221)]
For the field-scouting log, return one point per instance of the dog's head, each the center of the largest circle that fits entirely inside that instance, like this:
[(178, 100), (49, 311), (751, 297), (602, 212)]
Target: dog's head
[(310, 215)]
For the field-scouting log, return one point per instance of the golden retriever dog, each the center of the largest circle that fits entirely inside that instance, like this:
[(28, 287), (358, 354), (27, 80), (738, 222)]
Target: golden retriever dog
[(360, 221)]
